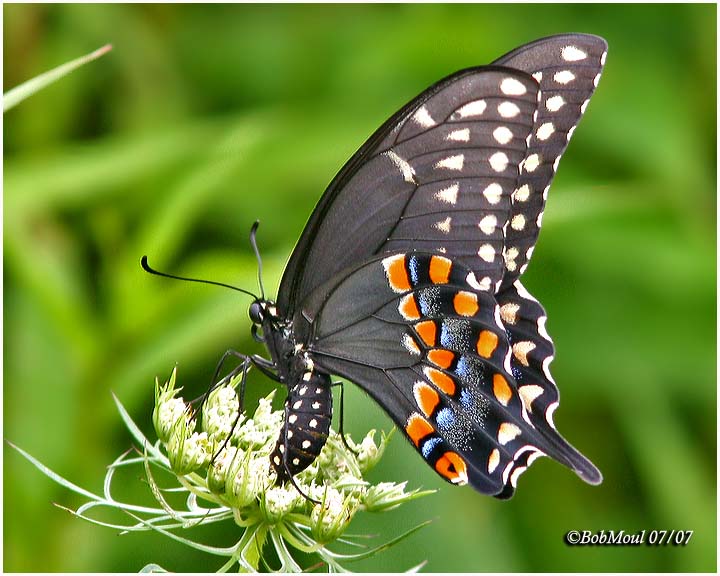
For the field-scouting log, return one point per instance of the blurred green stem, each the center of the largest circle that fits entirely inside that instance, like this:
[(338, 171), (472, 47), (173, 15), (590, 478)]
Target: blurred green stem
[(27, 89)]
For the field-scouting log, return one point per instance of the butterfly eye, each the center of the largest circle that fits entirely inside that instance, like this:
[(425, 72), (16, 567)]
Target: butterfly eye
[(256, 314)]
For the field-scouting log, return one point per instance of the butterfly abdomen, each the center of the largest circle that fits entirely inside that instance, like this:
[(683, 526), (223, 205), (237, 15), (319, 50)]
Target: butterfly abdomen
[(308, 413)]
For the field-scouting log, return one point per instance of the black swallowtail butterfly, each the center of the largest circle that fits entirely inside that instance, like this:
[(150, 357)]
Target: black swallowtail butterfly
[(405, 280)]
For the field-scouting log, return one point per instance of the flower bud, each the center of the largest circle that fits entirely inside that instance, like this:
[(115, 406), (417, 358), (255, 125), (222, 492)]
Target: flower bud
[(247, 477), (385, 496), (262, 429), (331, 518), (218, 471), (220, 413), (368, 454), (187, 450), (168, 409), (279, 501)]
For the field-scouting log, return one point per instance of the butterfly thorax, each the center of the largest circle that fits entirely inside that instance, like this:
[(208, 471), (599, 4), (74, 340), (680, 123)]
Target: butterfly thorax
[(308, 406)]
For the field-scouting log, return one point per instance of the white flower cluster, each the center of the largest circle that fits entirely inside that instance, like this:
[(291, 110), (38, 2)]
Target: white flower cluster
[(234, 452)]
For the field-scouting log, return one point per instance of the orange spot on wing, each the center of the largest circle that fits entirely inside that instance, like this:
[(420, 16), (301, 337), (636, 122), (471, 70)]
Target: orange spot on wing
[(408, 308), (486, 344), (501, 389), (417, 428), (440, 269), (451, 466), (493, 460), (426, 397), (396, 273), (427, 331), (441, 380), (465, 303), (441, 357)]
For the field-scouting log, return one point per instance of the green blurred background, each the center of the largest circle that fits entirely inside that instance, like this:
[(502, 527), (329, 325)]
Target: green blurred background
[(205, 118)]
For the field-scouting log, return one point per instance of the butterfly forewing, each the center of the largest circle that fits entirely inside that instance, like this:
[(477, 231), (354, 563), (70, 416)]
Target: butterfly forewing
[(568, 69), (437, 177)]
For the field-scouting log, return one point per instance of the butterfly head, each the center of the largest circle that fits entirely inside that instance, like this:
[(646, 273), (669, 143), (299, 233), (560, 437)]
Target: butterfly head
[(263, 314)]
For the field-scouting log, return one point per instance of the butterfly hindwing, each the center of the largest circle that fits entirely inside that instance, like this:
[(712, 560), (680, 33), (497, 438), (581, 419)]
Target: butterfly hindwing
[(532, 352), (413, 330)]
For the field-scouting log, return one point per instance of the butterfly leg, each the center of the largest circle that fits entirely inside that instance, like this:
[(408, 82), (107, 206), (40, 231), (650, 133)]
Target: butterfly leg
[(342, 417), (245, 367)]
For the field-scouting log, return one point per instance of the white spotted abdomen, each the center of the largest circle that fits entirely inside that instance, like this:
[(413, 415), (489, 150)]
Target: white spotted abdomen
[(308, 414)]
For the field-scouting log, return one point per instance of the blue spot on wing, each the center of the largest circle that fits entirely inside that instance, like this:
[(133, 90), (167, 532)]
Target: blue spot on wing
[(445, 418), (428, 446), (414, 266)]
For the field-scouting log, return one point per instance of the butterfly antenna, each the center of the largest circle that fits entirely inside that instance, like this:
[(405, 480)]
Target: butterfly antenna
[(253, 242), (147, 268)]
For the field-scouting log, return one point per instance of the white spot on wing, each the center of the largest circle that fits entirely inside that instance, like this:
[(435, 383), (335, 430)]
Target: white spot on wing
[(573, 54), (539, 220), (502, 134), (549, 414), (508, 312), (444, 225), (498, 321), (602, 58), (498, 161), (570, 133), (410, 345), (522, 193), (545, 131), (518, 222), (508, 109), (538, 76), (512, 87), (596, 80), (488, 224), (554, 103), (449, 194), (546, 368), (407, 171), (487, 252), (472, 281), (422, 117), (541, 328), (474, 108), (507, 433), (493, 193), (534, 456), (531, 163), (493, 460), (506, 472), (584, 106), (556, 163), (521, 350), (528, 394), (461, 135), (516, 474), (452, 162), (564, 77)]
